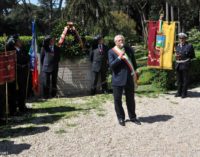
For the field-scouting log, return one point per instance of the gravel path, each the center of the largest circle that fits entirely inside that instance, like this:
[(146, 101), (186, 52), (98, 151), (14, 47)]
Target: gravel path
[(170, 128)]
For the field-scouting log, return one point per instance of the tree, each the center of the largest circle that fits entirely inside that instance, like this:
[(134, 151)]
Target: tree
[(89, 13)]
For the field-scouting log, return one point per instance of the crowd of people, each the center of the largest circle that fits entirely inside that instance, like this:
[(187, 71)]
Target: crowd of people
[(18, 89), (120, 59)]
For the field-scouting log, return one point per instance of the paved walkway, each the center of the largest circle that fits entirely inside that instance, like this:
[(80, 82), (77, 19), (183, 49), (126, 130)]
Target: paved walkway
[(170, 128)]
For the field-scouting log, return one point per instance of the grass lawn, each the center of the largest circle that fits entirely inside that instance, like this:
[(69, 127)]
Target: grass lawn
[(48, 112), (45, 112)]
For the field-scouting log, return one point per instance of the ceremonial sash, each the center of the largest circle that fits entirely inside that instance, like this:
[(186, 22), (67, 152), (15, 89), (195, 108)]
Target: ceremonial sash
[(128, 62)]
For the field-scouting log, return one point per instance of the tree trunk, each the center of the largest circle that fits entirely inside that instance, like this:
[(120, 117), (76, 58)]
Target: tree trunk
[(172, 13), (199, 18), (144, 28), (167, 11), (60, 5), (179, 22)]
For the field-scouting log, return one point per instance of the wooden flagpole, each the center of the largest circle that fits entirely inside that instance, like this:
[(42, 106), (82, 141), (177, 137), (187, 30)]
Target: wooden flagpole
[(7, 108)]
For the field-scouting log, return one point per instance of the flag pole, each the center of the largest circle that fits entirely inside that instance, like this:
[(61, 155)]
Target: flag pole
[(7, 108), (27, 83)]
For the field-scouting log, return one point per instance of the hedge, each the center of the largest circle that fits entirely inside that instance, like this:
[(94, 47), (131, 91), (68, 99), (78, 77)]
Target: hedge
[(166, 79), (69, 49), (26, 41)]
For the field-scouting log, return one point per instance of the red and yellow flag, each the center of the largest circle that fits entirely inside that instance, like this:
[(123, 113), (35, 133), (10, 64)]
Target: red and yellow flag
[(160, 45)]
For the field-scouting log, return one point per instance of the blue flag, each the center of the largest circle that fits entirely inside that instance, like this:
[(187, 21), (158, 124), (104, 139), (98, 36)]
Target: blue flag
[(34, 48)]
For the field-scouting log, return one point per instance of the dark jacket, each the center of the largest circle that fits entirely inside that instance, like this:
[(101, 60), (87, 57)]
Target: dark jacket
[(120, 70), (50, 60), (23, 57), (99, 60), (185, 51)]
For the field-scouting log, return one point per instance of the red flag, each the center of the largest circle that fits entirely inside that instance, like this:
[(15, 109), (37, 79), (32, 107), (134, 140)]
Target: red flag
[(35, 80), (153, 54), (7, 66)]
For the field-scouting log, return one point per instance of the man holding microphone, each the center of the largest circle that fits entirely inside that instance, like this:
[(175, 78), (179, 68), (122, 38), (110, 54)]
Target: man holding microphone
[(123, 65)]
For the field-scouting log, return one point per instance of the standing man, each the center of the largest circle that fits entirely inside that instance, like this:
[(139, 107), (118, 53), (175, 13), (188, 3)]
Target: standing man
[(99, 59), (50, 57), (17, 89), (184, 54), (123, 65)]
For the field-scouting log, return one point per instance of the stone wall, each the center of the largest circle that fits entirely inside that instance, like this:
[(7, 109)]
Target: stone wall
[(74, 77)]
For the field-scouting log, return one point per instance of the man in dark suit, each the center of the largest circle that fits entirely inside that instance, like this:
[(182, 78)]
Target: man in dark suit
[(122, 78), (99, 59), (18, 88), (184, 54), (50, 57)]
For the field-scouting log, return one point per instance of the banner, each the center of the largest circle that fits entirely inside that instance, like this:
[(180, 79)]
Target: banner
[(160, 45), (167, 56), (153, 54), (7, 66), (34, 60)]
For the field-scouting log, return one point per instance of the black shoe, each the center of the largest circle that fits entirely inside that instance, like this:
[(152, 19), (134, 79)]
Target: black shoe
[(121, 122), (183, 96), (177, 95), (92, 92), (2, 122), (136, 121), (24, 109)]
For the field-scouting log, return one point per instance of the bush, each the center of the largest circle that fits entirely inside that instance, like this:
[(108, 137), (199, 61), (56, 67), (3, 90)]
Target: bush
[(166, 79), (194, 38), (70, 49), (195, 70), (26, 41)]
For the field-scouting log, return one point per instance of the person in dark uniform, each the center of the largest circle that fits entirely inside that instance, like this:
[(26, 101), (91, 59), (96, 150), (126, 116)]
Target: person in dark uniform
[(50, 57), (99, 59), (122, 79), (184, 54), (17, 89)]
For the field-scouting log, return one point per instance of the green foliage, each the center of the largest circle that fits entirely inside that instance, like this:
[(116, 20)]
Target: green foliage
[(26, 41), (70, 49), (164, 79), (126, 26), (194, 38), (145, 76), (93, 16), (71, 46), (195, 70)]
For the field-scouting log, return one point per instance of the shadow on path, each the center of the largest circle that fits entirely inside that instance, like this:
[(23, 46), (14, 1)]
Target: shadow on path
[(57, 109), (16, 132), (193, 94), (156, 118), (190, 94), (9, 148)]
